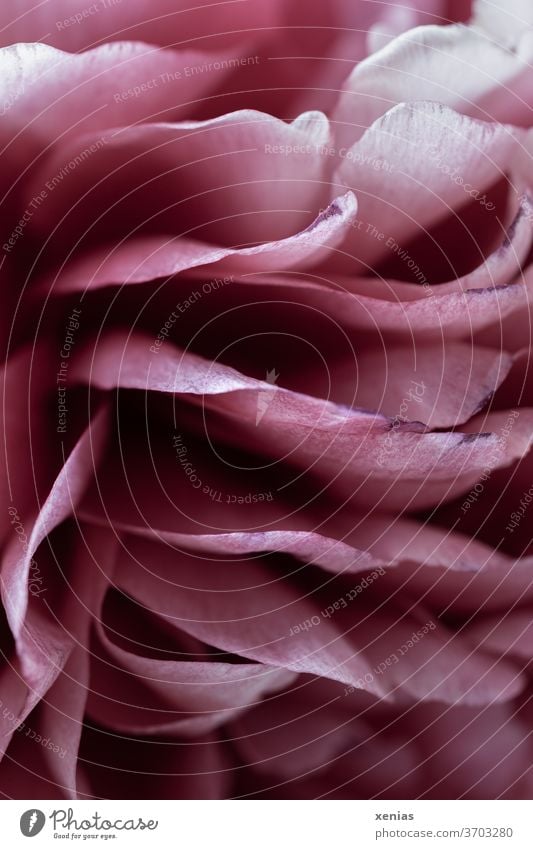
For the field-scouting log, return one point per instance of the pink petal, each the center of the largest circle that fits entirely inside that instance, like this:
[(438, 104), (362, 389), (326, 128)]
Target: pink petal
[(77, 25), (450, 571), (151, 257), (143, 695), (51, 95), (236, 180), (61, 502), (209, 603), (397, 309), (447, 569), (363, 455), (506, 635), (441, 386)]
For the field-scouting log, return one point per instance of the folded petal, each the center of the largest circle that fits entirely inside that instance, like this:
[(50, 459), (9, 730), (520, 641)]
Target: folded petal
[(59, 93), (237, 180), (149, 258), (429, 154), (441, 386), (209, 603), (61, 503), (454, 66), (139, 694), (506, 635), (370, 458), (505, 21)]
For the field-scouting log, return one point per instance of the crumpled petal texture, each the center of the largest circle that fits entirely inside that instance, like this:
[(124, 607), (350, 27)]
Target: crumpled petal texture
[(267, 399)]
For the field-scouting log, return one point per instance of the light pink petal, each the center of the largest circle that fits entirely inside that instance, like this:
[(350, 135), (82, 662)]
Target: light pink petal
[(458, 309), (243, 609), (50, 95), (42, 653), (505, 21), (60, 93), (411, 140), (452, 310), (453, 66), (405, 16)]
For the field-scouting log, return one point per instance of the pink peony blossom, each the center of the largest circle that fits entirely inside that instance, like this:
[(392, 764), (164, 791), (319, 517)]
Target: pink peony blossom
[(267, 399)]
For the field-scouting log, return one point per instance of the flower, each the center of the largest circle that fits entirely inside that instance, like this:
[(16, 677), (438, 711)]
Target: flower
[(266, 400)]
